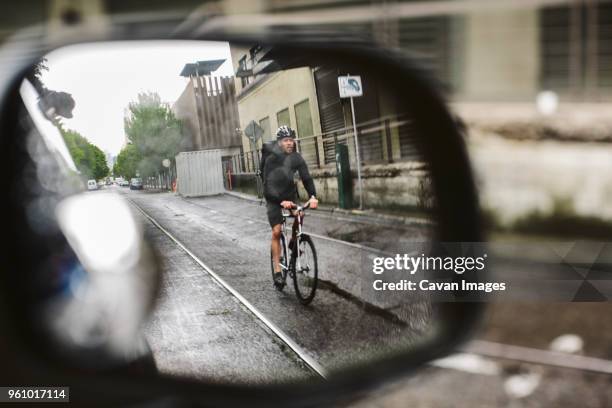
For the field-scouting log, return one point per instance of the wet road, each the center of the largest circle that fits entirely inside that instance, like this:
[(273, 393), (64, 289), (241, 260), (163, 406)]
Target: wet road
[(510, 385), (199, 330), (231, 236)]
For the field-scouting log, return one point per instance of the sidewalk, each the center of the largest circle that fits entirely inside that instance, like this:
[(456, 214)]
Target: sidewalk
[(370, 215)]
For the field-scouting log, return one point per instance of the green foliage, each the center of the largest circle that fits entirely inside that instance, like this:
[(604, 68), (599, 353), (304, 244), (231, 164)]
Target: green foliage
[(563, 220), (560, 221), (154, 133), (88, 158), (127, 162)]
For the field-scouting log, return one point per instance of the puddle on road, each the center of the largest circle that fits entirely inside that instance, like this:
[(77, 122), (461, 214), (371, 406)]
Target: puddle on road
[(356, 236)]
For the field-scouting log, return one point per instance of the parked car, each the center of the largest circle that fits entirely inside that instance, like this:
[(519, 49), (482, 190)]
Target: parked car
[(136, 184), (124, 183), (92, 185)]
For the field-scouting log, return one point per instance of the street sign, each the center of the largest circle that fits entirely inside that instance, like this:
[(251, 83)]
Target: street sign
[(253, 131), (350, 86)]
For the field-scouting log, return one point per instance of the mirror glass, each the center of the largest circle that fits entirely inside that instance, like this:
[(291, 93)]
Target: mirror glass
[(177, 130)]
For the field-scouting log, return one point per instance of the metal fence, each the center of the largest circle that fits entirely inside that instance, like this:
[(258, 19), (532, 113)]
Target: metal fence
[(382, 140), (161, 181)]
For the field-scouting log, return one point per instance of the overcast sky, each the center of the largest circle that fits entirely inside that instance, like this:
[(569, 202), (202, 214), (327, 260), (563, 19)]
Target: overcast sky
[(104, 78)]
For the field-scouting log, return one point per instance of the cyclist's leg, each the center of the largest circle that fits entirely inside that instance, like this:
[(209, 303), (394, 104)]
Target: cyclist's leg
[(276, 247), (275, 217)]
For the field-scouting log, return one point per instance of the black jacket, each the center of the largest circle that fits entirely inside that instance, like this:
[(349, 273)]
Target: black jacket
[(278, 170)]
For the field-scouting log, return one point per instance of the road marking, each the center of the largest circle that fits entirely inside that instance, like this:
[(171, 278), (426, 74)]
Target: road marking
[(308, 360)]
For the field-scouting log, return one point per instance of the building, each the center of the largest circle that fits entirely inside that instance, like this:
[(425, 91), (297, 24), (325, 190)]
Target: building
[(286, 97), (208, 108), (493, 63), (307, 99), (274, 89), (498, 52)]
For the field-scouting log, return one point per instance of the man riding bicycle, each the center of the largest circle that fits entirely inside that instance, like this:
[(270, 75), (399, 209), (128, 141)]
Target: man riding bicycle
[(279, 162)]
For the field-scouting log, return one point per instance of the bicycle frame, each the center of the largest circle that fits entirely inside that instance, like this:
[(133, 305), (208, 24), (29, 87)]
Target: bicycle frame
[(299, 214)]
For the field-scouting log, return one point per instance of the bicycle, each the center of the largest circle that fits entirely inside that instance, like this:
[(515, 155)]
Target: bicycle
[(301, 265)]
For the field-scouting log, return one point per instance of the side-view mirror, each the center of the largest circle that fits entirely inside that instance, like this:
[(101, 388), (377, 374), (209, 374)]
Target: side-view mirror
[(253, 307)]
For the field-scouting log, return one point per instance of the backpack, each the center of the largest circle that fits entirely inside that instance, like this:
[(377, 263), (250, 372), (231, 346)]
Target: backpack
[(266, 150)]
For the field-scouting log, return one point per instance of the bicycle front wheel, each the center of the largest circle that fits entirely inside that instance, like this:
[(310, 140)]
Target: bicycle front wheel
[(306, 273)]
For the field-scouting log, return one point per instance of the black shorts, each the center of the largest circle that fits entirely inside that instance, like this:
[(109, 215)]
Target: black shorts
[(275, 212), (275, 215)]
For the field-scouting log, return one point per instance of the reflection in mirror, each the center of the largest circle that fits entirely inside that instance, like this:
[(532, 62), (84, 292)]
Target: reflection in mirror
[(111, 277), (178, 129), (94, 277)]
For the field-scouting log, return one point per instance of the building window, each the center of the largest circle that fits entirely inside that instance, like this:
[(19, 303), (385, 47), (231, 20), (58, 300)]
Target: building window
[(303, 122), (303, 119), (576, 49), (282, 118), (427, 40), (265, 125)]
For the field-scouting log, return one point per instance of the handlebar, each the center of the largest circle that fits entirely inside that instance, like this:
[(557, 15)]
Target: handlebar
[(298, 207), (301, 208)]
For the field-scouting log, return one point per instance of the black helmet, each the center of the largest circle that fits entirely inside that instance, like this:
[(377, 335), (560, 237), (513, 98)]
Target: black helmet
[(285, 131)]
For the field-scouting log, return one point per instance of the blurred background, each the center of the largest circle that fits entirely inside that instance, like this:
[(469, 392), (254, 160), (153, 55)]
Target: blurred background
[(531, 81)]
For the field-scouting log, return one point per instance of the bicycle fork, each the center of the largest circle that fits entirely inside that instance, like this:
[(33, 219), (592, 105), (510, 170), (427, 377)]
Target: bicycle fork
[(285, 250), (293, 255), (296, 247)]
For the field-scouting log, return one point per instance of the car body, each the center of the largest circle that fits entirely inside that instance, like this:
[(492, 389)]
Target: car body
[(92, 185), (136, 183)]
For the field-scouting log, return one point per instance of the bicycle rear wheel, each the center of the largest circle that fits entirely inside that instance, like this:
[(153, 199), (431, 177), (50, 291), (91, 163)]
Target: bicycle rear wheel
[(306, 274), (283, 260)]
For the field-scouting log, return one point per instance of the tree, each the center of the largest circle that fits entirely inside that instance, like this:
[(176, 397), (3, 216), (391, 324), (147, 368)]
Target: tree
[(88, 158), (155, 133), (127, 162), (100, 168)]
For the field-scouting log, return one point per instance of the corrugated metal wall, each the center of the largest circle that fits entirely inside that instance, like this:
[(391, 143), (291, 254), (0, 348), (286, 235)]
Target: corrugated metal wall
[(199, 173), (217, 112)]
